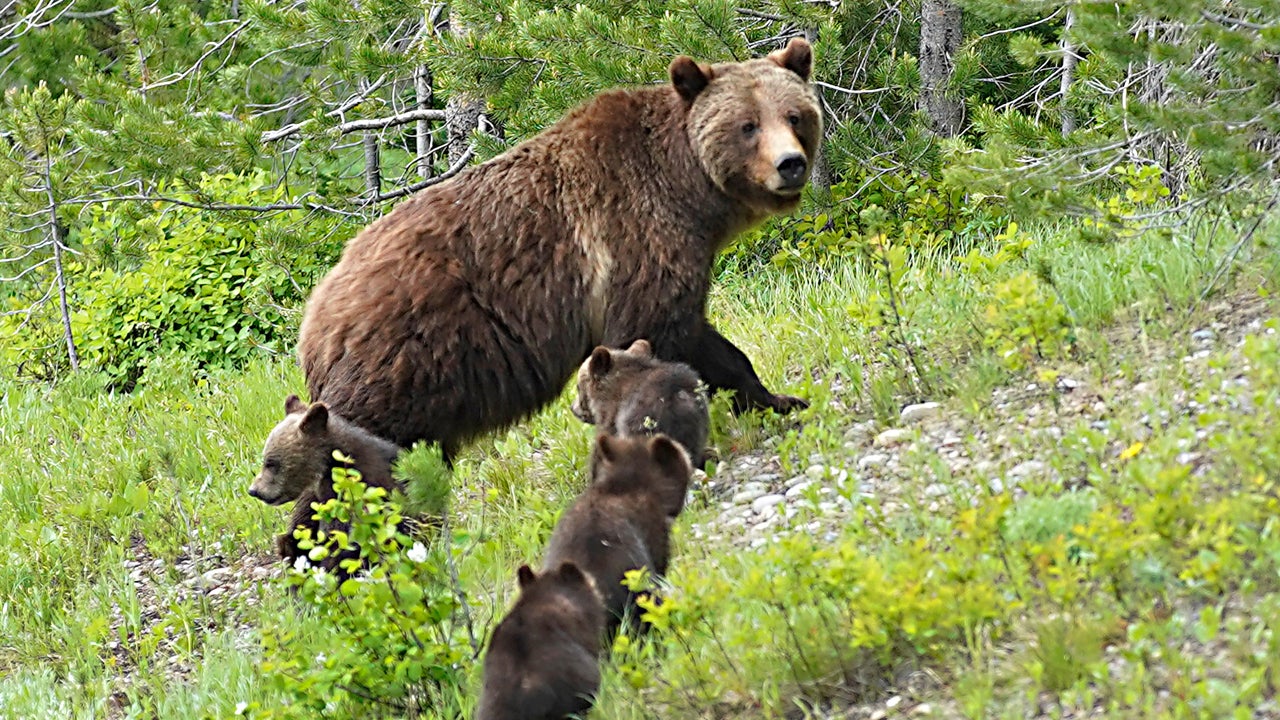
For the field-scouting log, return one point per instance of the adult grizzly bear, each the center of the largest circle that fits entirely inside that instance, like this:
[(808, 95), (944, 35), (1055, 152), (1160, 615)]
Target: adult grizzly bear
[(469, 306)]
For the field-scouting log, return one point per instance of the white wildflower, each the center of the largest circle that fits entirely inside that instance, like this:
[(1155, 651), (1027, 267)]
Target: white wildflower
[(418, 553), (301, 563), (241, 707)]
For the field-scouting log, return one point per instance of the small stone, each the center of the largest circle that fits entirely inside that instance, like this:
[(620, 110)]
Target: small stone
[(261, 573), (893, 702), (936, 490), (797, 480), (215, 576), (1026, 469), (1067, 383), (1203, 335), (761, 504), (996, 486), (919, 412), (892, 437), (873, 460), (951, 441), (922, 709), (747, 496), (798, 489), (816, 472), (878, 714)]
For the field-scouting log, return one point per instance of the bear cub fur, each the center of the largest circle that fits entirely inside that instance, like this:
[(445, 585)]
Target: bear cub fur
[(543, 658), (298, 463), (622, 521), (631, 392)]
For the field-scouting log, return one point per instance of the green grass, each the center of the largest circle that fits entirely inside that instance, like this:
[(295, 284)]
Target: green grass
[(1133, 582)]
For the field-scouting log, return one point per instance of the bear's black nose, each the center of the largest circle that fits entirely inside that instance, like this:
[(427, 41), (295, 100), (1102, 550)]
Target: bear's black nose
[(791, 168)]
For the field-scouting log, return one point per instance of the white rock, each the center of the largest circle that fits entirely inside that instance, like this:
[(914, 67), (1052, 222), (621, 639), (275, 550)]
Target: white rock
[(873, 460), (892, 437), (744, 497), (922, 709), (936, 490), (766, 502), (920, 412), (1026, 469), (893, 702), (816, 472), (215, 576), (797, 480), (799, 489)]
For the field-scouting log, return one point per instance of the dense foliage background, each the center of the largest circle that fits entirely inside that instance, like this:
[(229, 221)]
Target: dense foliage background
[(177, 174)]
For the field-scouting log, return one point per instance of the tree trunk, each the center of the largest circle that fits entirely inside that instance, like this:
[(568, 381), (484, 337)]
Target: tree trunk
[(422, 92), (821, 176), (372, 160), (462, 112), (941, 30), (1068, 71)]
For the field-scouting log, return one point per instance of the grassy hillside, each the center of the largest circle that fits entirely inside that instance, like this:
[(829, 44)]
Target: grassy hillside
[(1087, 524)]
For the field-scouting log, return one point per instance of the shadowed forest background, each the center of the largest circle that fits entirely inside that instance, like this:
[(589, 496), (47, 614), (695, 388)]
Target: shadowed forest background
[(1053, 220)]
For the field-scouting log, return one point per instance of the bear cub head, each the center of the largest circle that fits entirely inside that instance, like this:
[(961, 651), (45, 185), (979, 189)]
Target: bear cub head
[(631, 392), (298, 455), (543, 658), (755, 126)]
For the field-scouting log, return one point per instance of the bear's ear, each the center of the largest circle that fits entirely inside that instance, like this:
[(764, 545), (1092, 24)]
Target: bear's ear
[(606, 450), (676, 472), (797, 57), (641, 347), (601, 361), (293, 405), (669, 455), (571, 572), (525, 576), (688, 77), (316, 419)]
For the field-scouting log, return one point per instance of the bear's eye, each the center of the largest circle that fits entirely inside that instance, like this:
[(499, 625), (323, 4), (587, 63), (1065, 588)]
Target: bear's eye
[(748, 128), (794, 119), (271, 465)]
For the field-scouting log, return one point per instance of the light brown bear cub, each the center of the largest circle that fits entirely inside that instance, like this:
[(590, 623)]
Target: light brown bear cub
[(543, 659), (298, 463), (631, 392), (622, 521)]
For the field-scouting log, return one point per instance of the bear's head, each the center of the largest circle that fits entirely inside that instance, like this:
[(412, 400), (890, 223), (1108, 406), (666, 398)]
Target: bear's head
[(297, 453), (755, 126), (656, 466), (599, 373), (566, 591)]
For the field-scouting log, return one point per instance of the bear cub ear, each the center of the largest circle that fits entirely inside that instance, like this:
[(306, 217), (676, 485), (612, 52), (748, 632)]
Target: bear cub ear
[(293, 405), (641, 347), (570, 571), (525, 576), (601, 361), (797, 57), (316, 420), (688, 77)]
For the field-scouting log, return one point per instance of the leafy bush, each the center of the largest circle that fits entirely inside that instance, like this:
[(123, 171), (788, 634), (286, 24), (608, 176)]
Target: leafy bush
[(395, 648), (206, 285), (1025, 322)]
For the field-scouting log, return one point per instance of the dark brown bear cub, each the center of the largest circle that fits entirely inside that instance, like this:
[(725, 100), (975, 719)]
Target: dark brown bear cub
[(298, 463), (469, 306), (622, 521), (630, 392), (543, 659)]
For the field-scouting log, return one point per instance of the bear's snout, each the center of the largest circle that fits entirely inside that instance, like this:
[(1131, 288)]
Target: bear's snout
[(255, 491), (791, 168)]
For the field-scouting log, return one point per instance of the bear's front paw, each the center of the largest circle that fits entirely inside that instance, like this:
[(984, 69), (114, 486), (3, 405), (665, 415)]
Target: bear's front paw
[(786, 403)]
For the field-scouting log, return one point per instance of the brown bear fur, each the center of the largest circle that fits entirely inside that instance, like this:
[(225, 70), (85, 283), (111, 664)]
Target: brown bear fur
[(298, 463), (630, 392), (622, 521), (543, 661), (469, 306)]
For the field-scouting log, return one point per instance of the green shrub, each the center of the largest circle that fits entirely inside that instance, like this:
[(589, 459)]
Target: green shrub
[(211, 286), (395, 648)]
